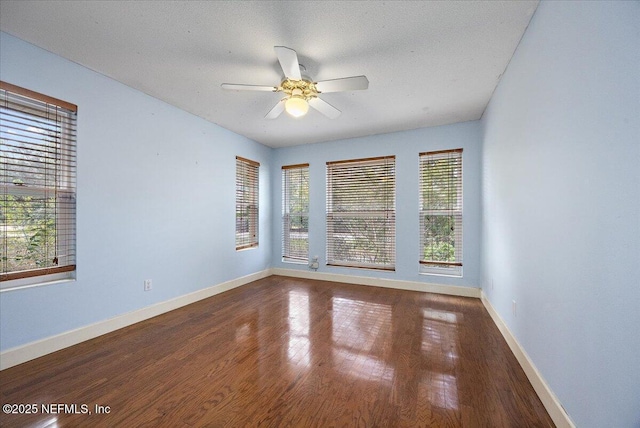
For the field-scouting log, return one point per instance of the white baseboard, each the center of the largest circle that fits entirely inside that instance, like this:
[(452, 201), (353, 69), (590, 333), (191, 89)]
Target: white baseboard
[(18, 355), (30, 351), (452, 290), (546, 395)]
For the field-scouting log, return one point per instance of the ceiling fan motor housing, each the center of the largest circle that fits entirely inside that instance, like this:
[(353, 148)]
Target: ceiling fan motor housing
[(299, 88)]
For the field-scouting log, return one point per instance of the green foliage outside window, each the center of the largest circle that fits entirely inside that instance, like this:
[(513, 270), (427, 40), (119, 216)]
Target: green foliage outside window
[(31, 233), (439, 238)]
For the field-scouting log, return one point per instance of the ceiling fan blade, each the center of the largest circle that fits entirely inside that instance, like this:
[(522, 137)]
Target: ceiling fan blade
[(288, 59), (324, 107), (276, 110), (241, 87), (345, 84)]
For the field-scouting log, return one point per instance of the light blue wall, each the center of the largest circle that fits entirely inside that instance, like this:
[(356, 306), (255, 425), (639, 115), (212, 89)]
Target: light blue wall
[(156, 199), (406, 146), (552, 202), (561, 205)]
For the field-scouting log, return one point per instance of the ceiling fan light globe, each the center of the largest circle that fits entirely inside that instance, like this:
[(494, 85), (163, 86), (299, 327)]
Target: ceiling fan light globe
[(296, 106)]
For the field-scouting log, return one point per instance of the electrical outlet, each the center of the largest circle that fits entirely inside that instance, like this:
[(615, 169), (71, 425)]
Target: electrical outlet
[(314, 263), (147, 285), (513, 307)]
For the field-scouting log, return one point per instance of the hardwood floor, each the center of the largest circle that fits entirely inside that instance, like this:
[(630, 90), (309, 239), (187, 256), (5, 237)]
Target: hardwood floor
[(285, 352)]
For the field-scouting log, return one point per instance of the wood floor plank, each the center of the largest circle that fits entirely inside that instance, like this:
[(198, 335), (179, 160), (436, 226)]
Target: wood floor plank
[(284, 352)]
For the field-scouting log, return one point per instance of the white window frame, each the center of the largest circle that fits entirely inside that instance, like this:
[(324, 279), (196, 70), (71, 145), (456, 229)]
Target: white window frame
[(287, 255), (430, 267), (247, 200), (335, 214)]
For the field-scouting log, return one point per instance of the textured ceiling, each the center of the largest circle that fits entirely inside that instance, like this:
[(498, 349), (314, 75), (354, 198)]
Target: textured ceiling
[(428, 63)]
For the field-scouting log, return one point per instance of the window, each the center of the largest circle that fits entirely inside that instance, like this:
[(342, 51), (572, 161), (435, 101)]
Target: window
[(38, 182), (246, 203), (441, 212), (361, 213), (295, 213)]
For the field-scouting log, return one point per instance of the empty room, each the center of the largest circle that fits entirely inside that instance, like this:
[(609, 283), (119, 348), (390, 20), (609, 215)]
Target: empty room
[(320, 213)]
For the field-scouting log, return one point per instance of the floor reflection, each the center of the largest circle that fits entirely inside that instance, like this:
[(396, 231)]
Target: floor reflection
[(358, 324), (48, 423), (362, 366), (360, 333), (439, 389), (436, 315), (440, 346), (369, 343), (243, 332), (299, 346)]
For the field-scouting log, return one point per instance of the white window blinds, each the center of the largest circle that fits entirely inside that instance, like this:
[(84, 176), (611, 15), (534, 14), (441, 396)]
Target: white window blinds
[(295, 213), (441, 212), (361, 213), (38, 179), (246, 203)]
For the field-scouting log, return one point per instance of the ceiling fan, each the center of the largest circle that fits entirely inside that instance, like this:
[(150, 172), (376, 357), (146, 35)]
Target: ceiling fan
[(300, 91)]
